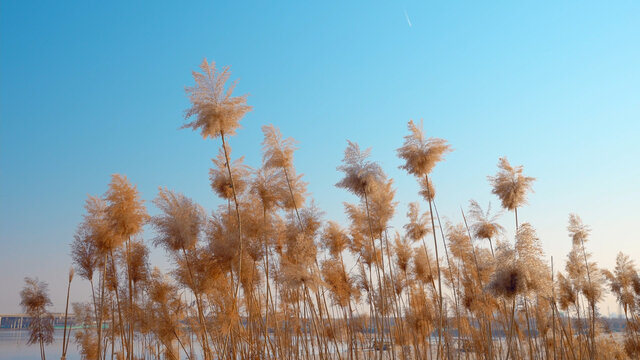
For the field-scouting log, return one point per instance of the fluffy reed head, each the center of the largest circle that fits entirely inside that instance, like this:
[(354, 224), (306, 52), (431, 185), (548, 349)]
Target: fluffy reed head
[(508, 281), (84, 252), (219, 176), (594, 289), (125, 209), (381, 205), (520, 269), (301, 248), (165, 307), (427, 190), (622, 280), (585, 274), (88, 344), (138, 261), (530, 259), (179, 225), (269, 186), (418, 225), (362, 280), (277, 152), (510, 185), (111, 276), (459, 242), (360, 174), (341, 286), (34, 296), (359, 228), (484, 223), (295, 276), (403, 252), (294, 197), (200, 270), (565, 292), (34, 299), (334, 239), (221, 231), (578, 232), (575, 267), (422, 269), (421, 313), (419, 153), (215, 108), (98, 229)]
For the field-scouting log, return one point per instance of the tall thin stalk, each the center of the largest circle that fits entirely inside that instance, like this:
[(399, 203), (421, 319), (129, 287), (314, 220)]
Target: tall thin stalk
[(66, 313), (435, 244)]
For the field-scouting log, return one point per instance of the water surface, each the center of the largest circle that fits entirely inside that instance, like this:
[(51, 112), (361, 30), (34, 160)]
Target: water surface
[(13, 345)]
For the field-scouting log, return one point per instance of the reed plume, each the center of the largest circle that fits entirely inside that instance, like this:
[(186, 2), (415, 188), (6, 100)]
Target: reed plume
[(166, 309), (86, 257), (484, 223), (621, 282), (125, 210), (213, 105), (422, 270), (180, 224), (85, 339), (427, 190), (530, 257), (99, 230), (418, 226), (511, 186), (34, 299), (624, 283), (277, 152), (84, 252), (593, 287), (335, 239), (268, 186), (138, 261), (421, 154), (126, 214), (251, 282), (217, 112), (341, 285), (360, 174), (221, 183), (403, 252)]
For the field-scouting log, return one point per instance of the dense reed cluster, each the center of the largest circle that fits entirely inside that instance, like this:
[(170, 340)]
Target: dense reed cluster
[(266, 276)]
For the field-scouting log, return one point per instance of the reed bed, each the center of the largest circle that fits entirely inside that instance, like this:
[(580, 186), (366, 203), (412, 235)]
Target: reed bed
[(265, 276)]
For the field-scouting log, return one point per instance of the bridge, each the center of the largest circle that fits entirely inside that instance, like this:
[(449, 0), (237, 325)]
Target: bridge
[(21, 321)]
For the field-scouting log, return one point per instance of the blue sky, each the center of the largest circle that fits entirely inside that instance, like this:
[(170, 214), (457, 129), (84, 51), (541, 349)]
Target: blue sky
[(91, 89)]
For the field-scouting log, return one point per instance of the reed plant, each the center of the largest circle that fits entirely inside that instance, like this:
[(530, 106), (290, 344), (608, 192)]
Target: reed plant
[(268, 275)]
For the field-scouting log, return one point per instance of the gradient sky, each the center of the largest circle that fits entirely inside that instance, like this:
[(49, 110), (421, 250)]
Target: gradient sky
[(91, 89)]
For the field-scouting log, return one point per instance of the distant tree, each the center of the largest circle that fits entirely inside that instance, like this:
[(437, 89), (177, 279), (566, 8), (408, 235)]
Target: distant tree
[(34, 299)]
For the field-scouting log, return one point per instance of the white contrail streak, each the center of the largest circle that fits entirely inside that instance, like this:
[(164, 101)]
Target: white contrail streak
[(407, 17)]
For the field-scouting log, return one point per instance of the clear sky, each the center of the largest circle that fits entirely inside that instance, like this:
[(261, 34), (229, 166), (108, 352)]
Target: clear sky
[(90, 89)]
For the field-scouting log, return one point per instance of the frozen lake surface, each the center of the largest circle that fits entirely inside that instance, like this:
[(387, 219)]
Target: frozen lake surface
[(13, 345)]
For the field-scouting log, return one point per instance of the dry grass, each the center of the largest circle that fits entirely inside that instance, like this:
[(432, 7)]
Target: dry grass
[(269, 277)]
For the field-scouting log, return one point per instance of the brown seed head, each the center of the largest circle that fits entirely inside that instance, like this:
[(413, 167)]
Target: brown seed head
[(219, 176), (216, 111), (359, 173), (419, 153), (179, 225), (510, 185)]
